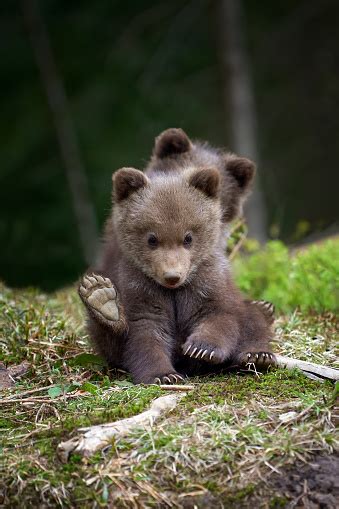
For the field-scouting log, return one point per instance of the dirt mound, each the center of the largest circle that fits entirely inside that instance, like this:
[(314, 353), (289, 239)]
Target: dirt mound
[(313, 485)]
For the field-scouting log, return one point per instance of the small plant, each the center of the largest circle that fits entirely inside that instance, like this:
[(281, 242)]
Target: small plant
[(307, 279)]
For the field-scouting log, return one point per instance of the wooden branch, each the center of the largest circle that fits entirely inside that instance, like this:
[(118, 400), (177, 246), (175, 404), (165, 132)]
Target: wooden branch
[(236, 248), (314, 371), (94, 438)]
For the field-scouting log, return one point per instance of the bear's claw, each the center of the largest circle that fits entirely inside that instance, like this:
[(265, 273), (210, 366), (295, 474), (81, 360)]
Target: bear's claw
[(193, 352), (259, 359), (204, 352), (171, 378), (266, 307)]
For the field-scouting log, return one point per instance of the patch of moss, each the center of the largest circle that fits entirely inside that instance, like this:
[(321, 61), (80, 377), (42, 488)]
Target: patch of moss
[(233, 500), (279, 384), (277, 501)]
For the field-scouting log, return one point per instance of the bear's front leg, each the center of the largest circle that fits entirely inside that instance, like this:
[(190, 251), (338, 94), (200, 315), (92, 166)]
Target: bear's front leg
[(214, 339), (101, 299), (148, 353)]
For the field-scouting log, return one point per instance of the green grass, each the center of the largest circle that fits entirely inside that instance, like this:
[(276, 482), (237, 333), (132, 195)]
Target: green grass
[(307, 279), (224, 437)]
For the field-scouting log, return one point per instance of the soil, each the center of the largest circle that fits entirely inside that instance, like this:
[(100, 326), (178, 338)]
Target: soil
[(8, 375), (311, 485)]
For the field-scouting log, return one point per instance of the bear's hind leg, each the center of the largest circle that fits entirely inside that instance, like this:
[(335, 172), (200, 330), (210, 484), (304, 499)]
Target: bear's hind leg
[(109, 346)]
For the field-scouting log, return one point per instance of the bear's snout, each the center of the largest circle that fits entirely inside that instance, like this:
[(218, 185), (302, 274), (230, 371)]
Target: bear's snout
[(169, 266), (171, 278)]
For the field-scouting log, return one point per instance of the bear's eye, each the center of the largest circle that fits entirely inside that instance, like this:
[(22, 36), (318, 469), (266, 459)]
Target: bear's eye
[(152, 240), (188, 240)]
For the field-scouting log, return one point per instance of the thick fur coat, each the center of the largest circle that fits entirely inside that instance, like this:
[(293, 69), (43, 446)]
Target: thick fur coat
[(161, 301)]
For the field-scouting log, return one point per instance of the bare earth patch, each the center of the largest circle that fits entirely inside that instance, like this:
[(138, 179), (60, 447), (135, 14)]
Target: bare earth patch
[(314, 484)]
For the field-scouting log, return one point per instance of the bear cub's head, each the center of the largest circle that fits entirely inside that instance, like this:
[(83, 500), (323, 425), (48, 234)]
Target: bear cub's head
[(168, 225), (173, 149)]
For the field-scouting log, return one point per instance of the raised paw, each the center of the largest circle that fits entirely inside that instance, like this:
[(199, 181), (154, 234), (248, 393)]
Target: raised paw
[(259, 359), (266, 307), (99, 294), (202, 351), (170, 379)]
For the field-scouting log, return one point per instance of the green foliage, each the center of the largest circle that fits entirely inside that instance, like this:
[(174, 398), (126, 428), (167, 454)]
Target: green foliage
[(87, 360), (54, 392), (307, 279)]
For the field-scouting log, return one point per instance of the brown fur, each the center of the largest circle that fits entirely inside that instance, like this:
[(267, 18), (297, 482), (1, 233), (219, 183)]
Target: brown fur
[(176, 296), (173, 150)]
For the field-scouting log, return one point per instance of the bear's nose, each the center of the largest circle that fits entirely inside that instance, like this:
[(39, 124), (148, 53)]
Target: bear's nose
[(171, 278)]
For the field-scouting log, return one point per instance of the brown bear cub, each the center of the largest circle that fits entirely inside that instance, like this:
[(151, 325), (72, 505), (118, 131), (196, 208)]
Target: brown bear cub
[(161, 302)]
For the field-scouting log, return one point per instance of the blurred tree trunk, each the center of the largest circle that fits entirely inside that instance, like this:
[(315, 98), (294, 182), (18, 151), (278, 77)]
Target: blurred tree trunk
[(239, 104), (57, 100)]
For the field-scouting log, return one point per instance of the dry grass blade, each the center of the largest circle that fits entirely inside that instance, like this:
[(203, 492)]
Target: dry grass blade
[(179, 388)]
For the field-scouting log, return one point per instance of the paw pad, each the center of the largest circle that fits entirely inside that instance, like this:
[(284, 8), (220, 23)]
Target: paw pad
[(99, 294)]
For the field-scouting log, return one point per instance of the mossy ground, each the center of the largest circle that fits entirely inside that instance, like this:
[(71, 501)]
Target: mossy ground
[(219, 447)]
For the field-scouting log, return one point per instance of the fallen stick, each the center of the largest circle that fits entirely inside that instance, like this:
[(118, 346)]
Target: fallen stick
[(182, 388), (314, 371), (97, 437)]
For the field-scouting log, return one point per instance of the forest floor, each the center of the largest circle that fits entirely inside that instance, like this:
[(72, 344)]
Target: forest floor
[(236, 440)]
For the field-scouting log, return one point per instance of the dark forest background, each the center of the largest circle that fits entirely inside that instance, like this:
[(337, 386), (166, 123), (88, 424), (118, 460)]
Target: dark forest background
[(86, 86)]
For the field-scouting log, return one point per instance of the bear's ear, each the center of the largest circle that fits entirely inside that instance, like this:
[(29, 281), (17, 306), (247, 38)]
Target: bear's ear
[(170, 143), (206, 180), (242, 170), (126, 181), (240, 174)]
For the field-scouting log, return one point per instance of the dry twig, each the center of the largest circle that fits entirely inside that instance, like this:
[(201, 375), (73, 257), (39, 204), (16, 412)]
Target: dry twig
[(97, 437), (314, 371), (179, 388)]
